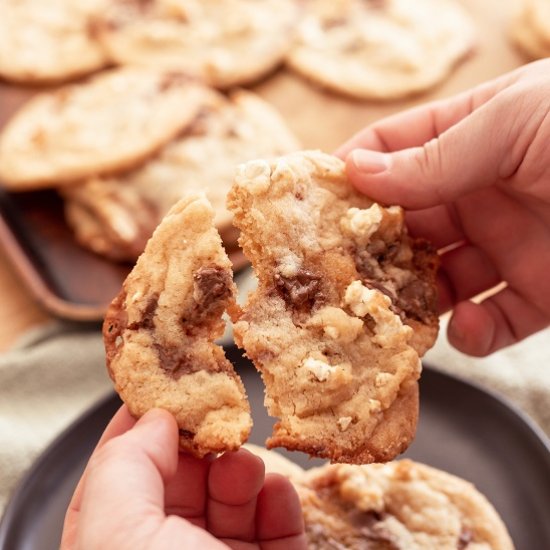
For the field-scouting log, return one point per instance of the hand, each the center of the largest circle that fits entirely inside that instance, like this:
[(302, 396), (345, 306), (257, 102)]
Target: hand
[(474, 173), (138, 493)]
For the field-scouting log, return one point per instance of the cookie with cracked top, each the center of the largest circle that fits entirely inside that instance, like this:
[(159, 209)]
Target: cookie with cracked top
[(395, 506), (345, 307), (381, 49), (43, 42), (159, 333), (108, 124), (224, 42), (530, 29)]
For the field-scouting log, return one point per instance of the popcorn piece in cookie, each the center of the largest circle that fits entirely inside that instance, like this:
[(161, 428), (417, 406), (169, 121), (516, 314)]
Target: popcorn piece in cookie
[(346, 305), (159, 333)]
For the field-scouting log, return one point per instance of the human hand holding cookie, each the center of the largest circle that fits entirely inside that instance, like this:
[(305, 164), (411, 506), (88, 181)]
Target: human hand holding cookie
[(474, 174), (176, 500)]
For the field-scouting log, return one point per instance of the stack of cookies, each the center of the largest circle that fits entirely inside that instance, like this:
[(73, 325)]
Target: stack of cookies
[(126, 145), (531, 29)]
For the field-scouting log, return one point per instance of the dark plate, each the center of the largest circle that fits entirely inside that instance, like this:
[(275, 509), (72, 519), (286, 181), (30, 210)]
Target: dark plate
[(463, 429)]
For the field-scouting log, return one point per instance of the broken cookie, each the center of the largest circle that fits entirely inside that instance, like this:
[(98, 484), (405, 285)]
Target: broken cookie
[(159, 333), (345, 307)]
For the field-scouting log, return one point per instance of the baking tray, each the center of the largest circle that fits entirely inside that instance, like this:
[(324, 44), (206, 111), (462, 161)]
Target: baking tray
[(463, 429)]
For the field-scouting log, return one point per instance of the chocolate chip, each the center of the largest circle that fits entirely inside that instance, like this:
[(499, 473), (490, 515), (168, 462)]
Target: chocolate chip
[(373, 529), (418, 299), (175, 362), (171, 79), (211, 286), (465, 538), (300, 291), (186, 434)]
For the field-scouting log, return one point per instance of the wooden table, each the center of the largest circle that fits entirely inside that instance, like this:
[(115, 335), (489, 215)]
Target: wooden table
[(321, 120)]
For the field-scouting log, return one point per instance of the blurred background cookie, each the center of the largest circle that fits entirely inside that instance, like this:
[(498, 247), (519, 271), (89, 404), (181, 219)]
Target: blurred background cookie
[(225, 42), (402, 504), (381, 49), (531, 28), (114, 216), (48, 41), (108, 124)]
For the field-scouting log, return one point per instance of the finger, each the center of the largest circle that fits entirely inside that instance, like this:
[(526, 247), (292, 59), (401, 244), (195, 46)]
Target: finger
[(124, 491), (499, 321), (186, 492), (121, 422), (418, 125), (439, 224), (456, 163), (467, 271), (234, 481), (279, 522)]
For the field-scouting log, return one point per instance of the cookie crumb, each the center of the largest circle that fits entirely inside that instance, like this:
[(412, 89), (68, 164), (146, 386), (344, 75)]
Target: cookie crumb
[(344, 422)]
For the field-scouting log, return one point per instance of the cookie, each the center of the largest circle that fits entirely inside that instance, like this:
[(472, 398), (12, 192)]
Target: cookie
[(276, 463), (345, 305), (48, 41), (108, 124), (225, 42), (159, 333), (380, 49), (114, 216), (531, 28), (402, 504)]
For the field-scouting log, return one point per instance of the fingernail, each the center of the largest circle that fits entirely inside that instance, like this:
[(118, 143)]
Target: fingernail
[(370, 162)]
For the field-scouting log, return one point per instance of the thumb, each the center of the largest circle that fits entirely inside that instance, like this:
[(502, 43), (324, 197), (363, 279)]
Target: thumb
[(474, 153)]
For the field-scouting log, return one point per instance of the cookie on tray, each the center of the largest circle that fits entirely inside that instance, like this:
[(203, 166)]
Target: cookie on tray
[(381, 49), (114, 216), (225, 42), (48, 41), (159, 333), (402, 504), (531, 28), (108, 124), (345, 306)]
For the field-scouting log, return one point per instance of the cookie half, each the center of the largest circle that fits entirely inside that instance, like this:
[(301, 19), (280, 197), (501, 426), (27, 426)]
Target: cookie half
[(108, 124), (381, 49), (403, 504), (224, 42), (114, 216), (345, 305), (159, 333), (48, 41)]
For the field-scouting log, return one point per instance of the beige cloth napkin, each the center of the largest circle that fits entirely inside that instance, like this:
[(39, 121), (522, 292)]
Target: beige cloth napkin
[(57, 372), (47, 380)]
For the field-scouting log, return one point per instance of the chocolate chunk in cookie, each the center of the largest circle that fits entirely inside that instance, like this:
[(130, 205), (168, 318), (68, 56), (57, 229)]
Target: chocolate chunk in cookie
[(344, 309), (159, 333)]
